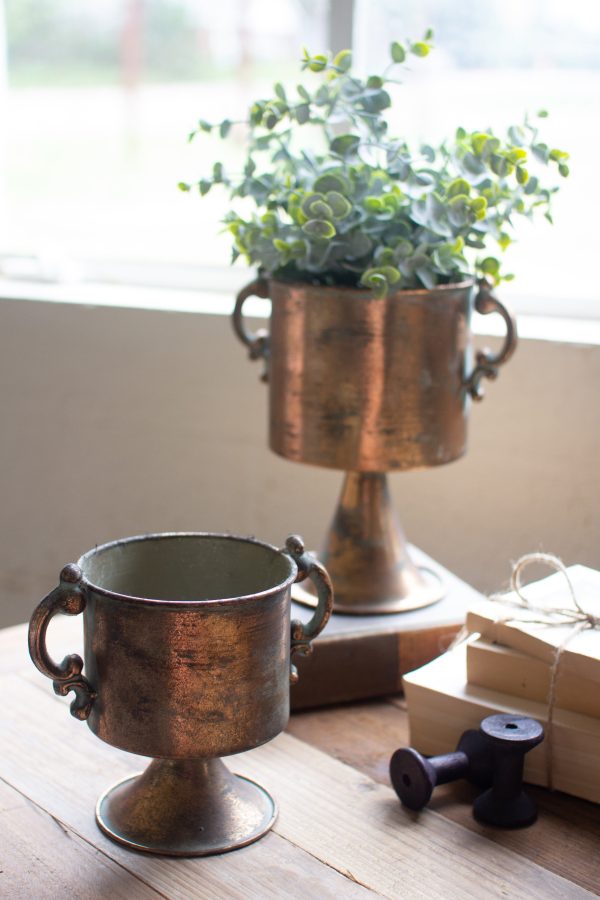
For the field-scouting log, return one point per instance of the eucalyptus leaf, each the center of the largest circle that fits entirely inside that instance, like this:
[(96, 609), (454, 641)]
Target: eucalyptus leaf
[(375, 101), (338, 204), (345, 145), (517, 135), (397, 52), (302, 113), (319, 228), (332, 181), (321, 210), (490, 266), (420, 48), (322, 96), (359, 244), (500, 165), (317, 63), (363, 206), (426, 276), (459, 211), (458, 186), (541, 151), (343, 60), (473, 165), (522, 175)]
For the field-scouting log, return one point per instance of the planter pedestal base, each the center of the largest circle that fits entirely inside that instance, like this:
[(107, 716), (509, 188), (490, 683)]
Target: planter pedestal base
[(367, 557), (186, 808)]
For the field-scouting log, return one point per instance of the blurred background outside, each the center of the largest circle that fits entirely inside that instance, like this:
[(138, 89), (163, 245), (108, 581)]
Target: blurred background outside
[(97, 99)]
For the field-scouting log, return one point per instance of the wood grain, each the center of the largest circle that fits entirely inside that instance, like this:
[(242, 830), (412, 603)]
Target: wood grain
[(358, 827), (332, 812), (365, 735), (41, 857), (13, 649), (341, 831), (62, 768)]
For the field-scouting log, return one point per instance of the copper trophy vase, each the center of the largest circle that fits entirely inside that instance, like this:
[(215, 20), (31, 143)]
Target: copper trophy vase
[(187, 645), (372, 385)]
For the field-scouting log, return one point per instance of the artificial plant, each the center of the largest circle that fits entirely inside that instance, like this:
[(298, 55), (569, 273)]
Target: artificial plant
[(338, 200)]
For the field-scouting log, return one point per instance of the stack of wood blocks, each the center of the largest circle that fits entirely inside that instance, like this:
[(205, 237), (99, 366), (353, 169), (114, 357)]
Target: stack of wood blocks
[(512, 664)]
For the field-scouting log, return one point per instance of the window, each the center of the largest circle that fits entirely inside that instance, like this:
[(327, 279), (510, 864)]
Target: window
[(494, 62), (96, 120)]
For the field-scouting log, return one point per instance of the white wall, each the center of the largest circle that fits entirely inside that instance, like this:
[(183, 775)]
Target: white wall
[(119, 421)]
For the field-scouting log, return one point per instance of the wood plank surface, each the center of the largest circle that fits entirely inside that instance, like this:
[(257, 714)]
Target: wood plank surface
[(62, 767), (358, 827), (41, 857), (341, 830), (335, 817), (13, 647), (565, 839)]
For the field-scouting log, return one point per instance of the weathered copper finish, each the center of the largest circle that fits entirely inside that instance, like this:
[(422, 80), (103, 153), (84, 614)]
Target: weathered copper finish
[(187, 656), (371, 385), (367, 557), (186, 807), (67, 598)]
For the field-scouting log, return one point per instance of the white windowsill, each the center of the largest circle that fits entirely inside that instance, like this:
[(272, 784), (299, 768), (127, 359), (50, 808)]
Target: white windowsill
[(545, 328)]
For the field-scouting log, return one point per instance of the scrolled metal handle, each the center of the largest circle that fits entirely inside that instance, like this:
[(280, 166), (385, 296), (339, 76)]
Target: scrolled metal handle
[(258, 343), (309, 567), (67, 598), (488, 362)]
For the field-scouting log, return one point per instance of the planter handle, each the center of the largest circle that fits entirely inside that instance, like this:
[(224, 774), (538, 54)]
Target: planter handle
[(309, 567), (258, 344), (68, 598), (488, 362)]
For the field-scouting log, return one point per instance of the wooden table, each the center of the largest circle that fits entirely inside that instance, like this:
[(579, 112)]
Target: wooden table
[(341, 831)]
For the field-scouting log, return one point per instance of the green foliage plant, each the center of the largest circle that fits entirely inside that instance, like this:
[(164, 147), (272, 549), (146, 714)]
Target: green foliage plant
[(363, 208)]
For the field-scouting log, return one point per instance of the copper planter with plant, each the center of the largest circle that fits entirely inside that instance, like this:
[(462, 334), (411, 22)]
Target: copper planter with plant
[(372, 384), (371, 254)]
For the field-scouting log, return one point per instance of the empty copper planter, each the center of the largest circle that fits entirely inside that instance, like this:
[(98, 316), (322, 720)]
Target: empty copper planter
[(187, 658)]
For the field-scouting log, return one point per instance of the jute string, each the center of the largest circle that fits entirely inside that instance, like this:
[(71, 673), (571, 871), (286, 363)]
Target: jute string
[(575, 616)]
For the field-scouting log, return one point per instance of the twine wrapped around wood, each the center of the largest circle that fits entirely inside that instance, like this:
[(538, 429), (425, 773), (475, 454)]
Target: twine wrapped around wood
[(578, 618)]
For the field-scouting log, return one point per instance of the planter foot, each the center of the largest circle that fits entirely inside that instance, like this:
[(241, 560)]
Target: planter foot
[(367, 557), (186, 808)]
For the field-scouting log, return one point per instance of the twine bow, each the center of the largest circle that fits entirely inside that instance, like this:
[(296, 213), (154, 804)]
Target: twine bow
[(576, 616)]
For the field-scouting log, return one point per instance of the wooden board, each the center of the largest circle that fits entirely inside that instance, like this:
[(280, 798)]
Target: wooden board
[(357, 657), (339, 833), (565, 838), (42, 857)]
